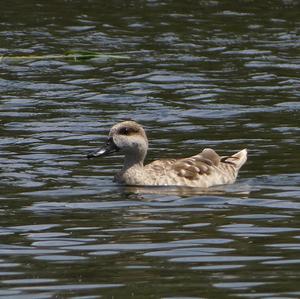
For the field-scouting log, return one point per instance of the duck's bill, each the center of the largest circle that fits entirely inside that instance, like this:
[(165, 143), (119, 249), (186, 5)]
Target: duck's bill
[(109, 148)]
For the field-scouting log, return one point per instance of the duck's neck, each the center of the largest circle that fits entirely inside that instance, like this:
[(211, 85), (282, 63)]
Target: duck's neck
[(134, 161)]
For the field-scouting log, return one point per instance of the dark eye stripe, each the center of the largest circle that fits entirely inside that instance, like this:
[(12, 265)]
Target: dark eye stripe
[(126, 131)]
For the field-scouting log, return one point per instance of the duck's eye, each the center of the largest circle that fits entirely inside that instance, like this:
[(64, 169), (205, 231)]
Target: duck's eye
[(124, 131)]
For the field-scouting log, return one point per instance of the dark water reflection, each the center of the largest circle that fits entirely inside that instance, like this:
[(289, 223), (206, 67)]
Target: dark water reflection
[(200, 74)]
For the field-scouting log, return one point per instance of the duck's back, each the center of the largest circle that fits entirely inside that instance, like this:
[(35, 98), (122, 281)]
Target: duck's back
[(202, 170)]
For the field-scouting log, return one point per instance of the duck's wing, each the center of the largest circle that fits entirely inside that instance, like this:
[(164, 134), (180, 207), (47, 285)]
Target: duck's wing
[(200, 164), (207, 163), (190, 168)]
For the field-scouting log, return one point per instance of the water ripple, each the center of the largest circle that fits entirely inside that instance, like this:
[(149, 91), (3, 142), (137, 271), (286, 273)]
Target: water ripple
[(199, 74)]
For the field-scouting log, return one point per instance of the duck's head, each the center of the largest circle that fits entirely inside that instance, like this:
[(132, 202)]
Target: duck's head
[(127, 137)]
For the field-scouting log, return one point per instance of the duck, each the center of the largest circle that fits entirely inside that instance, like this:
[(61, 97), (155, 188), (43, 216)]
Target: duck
[(203, 170)]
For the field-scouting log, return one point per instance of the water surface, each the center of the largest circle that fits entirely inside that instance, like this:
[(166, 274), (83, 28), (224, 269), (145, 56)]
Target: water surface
[(218, 74)]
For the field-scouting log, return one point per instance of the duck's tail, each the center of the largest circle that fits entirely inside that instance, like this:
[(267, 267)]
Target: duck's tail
[(238, 159)]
